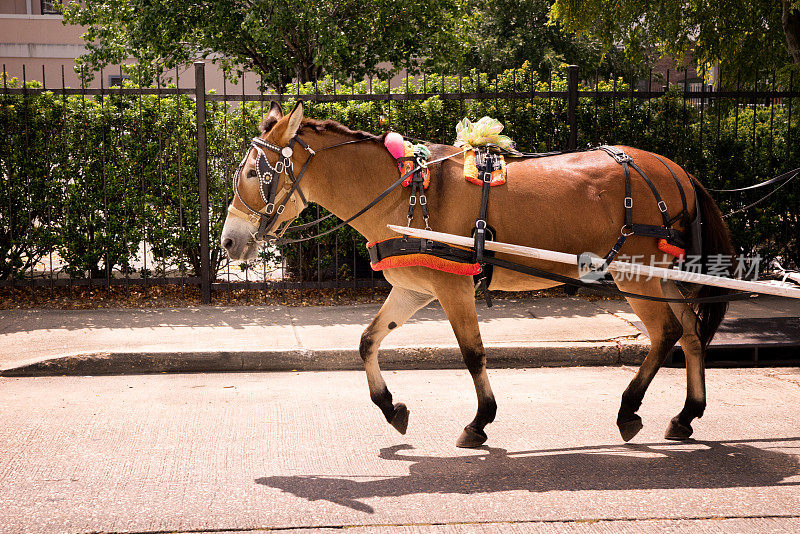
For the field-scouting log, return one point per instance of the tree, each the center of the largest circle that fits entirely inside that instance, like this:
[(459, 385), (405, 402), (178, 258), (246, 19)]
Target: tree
[(503, 34), (278, 39), (744, 37)]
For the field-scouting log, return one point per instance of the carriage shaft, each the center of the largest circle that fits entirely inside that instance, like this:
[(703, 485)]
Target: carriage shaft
[(635, 269)]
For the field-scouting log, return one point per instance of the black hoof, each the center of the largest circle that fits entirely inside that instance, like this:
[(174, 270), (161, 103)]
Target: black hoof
[(400, 418), (471, 438), (628, 429), (678, 431)]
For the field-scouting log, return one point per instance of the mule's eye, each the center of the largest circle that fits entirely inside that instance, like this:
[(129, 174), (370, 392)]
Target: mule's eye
[(252, 173)]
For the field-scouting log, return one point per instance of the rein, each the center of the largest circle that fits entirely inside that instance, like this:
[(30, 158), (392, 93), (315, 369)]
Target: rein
[(363, 210), (785, 178), (360, 212)]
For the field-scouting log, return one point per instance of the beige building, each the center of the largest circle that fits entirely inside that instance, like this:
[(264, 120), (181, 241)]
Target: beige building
[(32, 34)]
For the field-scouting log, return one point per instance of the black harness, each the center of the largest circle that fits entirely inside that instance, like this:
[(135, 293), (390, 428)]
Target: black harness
[(487, 162), (630, 228)]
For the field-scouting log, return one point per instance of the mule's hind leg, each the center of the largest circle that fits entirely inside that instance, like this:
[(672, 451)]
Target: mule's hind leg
[(458, 301), (664, 331), (680, 427), (400, 305)]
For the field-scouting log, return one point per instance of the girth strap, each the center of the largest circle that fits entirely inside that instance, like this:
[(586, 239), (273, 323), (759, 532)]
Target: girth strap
[(409, 245), (487, 163)]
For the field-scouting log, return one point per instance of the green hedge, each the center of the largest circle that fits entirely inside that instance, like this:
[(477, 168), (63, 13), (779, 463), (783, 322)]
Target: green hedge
[(92, 177)]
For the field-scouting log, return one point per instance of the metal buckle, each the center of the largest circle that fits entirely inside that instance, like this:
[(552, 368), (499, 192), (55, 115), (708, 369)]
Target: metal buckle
[(618, 155), (487, 177), (280, 209), (478, 224), (662, 206), (412, 201), (279, 166), (622, 231), (628, 202), (423, 200), (269, 208)]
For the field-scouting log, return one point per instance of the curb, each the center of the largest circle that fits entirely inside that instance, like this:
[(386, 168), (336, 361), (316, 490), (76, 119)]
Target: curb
[(447, 357)]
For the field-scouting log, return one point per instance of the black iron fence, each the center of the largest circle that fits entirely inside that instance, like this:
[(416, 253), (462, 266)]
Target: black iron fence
[(127, 186)]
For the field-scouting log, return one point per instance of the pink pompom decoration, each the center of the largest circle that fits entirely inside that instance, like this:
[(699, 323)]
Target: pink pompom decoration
[(394, 144)]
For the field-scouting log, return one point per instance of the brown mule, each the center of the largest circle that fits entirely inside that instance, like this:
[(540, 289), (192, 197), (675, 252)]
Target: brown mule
[(570, 203)]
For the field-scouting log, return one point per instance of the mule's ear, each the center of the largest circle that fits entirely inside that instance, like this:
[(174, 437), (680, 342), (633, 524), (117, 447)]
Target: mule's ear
[(271, 118), (295, 118)]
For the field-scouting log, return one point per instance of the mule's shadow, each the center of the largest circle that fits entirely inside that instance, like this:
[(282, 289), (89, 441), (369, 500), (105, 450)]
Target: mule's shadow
[(701, 465)]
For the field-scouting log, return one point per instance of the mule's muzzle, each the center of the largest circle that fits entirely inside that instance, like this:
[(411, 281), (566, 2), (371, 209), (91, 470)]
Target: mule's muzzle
[(237, 239)]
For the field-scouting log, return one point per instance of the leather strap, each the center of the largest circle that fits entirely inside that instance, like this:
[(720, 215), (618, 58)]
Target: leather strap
[(685, 212), (358, 214), (402, 246), (486, 163)]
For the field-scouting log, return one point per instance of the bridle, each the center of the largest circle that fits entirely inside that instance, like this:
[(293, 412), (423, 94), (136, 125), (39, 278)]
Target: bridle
[(268, 178)]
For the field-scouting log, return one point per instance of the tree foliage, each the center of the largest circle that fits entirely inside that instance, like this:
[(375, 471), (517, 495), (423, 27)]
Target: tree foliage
[(744, 37), (280, 40), (503, 34)]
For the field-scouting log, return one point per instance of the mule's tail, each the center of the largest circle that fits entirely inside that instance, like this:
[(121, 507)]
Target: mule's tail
[(717, 245)]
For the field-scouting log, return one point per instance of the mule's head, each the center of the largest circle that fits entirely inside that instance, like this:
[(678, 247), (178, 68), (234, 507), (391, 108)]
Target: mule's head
[(264, 202)]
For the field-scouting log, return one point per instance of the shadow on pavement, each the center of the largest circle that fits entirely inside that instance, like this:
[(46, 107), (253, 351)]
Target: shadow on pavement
[(694, 464)]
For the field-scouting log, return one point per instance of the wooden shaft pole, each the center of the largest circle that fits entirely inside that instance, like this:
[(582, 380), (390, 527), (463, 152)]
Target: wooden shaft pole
[(636, 269)]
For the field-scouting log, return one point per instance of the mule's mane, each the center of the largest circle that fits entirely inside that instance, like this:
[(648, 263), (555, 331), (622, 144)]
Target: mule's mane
[(336, 127)]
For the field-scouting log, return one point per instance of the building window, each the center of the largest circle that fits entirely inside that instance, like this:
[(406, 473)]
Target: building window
[(115, 80), (51, 7)]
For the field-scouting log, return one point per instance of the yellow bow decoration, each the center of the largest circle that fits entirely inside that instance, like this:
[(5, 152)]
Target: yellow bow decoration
[(484, 132)]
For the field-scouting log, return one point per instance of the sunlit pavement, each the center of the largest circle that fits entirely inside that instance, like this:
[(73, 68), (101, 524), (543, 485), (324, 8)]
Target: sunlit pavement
[(216, 452)]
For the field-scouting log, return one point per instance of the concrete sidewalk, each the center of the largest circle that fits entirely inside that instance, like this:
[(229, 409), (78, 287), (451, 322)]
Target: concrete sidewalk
[(517, 333)]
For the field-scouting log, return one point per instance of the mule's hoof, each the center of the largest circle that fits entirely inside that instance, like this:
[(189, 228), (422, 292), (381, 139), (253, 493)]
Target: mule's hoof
[(678, 431), (400, 418), (630, 428), (471, 438)]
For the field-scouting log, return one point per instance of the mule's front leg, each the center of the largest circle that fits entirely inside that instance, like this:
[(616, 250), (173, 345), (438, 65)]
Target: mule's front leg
[(459, 305), (400, 305)]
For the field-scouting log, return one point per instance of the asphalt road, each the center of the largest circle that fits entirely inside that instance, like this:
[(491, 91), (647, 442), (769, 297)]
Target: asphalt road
[(217, 452)]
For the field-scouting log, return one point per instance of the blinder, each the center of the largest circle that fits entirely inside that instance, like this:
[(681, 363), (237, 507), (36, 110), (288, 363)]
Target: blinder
[(268, 178)]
